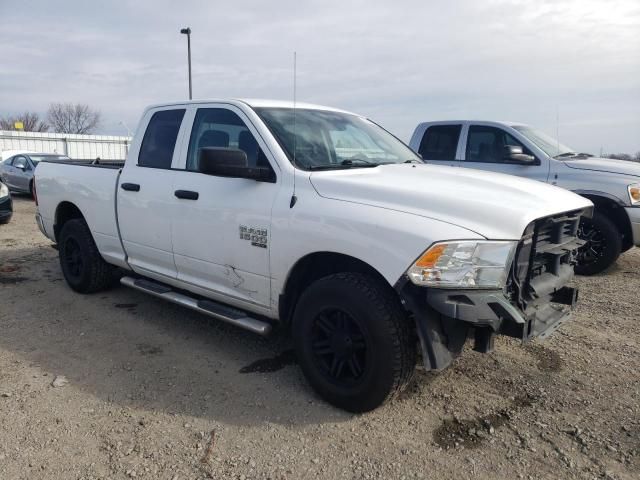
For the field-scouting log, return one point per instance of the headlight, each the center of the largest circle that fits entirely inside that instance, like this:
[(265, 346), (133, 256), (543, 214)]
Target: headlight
[(464, 264), (634, 193), (4, 191)]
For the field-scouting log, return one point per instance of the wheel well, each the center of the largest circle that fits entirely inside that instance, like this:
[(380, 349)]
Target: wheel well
[(616, 214), (313, 267), (65, 212)]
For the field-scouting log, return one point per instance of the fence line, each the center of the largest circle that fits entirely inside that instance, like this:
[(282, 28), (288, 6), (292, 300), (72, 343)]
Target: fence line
[(107, 147)]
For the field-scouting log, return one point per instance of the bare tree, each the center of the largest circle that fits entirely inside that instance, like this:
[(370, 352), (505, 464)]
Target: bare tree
[(30, 120), (70, 118)]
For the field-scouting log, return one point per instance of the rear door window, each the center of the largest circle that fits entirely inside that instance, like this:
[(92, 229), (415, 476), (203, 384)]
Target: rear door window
[(160, 138), (440, 142)]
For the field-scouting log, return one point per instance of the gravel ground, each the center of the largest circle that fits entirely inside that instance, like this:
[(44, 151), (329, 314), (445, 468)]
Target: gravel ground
[(120, 385)]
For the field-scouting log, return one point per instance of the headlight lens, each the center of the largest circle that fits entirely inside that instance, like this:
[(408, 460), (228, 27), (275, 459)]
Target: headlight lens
[(634, 193), (4, 191), (464, 264)]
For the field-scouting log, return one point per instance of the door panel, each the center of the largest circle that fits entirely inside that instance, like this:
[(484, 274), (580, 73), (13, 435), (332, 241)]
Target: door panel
[(144, 217), (220, 239), (145, 197), (210, 245)]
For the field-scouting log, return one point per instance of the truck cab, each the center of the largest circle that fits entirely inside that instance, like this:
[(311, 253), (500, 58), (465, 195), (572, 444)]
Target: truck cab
[(518, 149)]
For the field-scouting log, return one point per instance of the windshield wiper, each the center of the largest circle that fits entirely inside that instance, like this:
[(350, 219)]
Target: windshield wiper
[(413, 160), (573, 155), (350, 161), (347, 164)]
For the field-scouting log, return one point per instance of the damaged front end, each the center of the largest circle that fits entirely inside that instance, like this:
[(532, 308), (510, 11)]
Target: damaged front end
[(535, 301)]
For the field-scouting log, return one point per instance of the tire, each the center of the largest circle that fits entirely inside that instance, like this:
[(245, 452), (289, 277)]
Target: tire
[(603, 247), (353, 341), (82, 265)]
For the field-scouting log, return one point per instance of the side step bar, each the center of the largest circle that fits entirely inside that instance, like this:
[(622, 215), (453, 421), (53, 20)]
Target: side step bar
[(208, 307)]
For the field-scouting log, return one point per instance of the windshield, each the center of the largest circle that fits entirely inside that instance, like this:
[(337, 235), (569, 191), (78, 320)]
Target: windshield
[(39, 158), (545, 142), (327, 140)]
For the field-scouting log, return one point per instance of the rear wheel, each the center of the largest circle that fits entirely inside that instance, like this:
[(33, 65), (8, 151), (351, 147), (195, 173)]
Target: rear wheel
[(603, 247), (82, 265), (353, 341)]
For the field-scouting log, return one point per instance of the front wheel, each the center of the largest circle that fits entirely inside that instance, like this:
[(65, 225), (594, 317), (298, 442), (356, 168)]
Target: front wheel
[(603, 247), (353, 341)]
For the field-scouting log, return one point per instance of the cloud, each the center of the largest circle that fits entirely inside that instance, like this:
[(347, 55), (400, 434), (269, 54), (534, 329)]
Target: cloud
[(398, 63)]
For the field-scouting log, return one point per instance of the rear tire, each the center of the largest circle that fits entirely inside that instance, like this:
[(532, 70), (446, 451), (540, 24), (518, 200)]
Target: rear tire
[(353, 341), (603, 247), (82, 265)]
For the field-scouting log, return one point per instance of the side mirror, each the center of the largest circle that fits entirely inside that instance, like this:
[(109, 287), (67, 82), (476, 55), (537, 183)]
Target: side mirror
[(513, 154), (231, 162)]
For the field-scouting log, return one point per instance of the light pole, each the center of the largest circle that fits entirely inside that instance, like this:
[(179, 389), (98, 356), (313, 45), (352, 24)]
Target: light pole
[(187, 32)]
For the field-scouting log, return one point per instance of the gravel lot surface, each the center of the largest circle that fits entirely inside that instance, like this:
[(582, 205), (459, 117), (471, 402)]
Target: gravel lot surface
[(121, 385)]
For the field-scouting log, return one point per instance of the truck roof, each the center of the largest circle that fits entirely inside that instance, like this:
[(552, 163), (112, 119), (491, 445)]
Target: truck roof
[(255, 103), (476, 120)]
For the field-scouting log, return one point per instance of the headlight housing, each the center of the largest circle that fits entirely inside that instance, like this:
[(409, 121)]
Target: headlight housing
[(464, 264), (4, 191), (634, 193)]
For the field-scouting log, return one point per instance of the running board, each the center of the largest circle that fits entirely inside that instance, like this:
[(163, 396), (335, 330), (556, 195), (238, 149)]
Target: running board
[(213, 309)]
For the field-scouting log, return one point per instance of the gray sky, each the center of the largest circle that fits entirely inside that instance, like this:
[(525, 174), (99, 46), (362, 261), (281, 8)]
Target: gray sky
[(397, 62)]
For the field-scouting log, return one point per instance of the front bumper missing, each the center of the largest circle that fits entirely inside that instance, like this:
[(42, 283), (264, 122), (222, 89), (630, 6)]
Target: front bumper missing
[(445, 318)]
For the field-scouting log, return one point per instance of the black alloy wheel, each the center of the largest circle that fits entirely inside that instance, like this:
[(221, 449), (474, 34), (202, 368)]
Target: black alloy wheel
[(353, 340), (339, 346), (603, 244)]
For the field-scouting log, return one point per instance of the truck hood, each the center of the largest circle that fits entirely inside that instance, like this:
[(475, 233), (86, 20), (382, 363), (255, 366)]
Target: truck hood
[(608, 165), (493, 205)]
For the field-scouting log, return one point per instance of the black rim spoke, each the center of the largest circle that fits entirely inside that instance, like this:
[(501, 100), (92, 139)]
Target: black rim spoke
[(595, 247), (73, 257), (322, 347), (339, 346), (325, 324), (354, 366)]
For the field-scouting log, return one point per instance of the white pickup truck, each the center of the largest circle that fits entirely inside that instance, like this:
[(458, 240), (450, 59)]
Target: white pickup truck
[(261, 213)]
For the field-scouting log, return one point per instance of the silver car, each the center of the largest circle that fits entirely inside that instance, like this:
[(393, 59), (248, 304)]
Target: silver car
[(16, 172)]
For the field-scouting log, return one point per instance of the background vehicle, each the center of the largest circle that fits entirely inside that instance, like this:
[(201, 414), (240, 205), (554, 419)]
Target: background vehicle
[(516, 149), (17, 171), (6, 206), (318, 220)]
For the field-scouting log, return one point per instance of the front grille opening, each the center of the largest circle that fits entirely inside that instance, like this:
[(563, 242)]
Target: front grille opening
[(544, 259)]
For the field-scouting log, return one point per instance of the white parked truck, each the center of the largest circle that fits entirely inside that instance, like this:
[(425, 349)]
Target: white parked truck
[(263, 214), (517, 149)]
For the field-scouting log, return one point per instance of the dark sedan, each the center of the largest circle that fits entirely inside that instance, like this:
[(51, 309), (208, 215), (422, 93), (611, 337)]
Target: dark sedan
[(6, 206)]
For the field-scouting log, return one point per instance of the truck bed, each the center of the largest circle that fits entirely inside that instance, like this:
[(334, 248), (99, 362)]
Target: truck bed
[(92, 189)]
